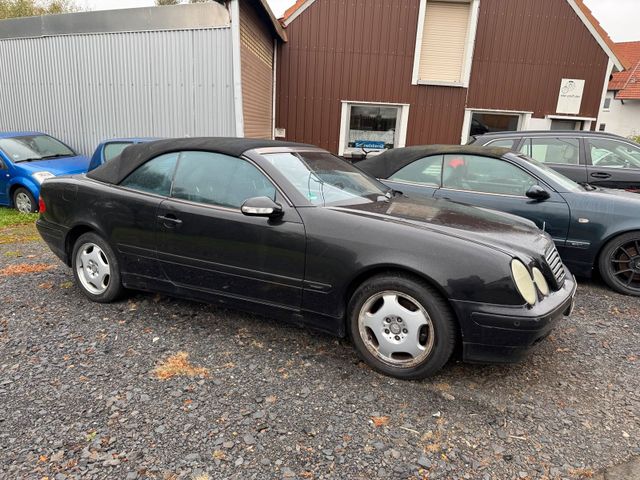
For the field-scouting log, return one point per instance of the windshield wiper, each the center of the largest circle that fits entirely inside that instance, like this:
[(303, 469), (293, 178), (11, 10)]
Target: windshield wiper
[(56, 155), (29, 159)]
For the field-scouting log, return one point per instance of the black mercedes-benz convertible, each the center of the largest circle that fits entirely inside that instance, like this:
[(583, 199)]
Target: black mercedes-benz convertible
[(290, 230)]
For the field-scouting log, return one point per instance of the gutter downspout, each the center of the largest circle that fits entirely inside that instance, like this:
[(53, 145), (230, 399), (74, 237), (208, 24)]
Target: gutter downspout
[(234, 9)]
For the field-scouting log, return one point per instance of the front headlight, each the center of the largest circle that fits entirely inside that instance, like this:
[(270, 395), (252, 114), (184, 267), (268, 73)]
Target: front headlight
[(541, 282), (42, 176), (524, 282)]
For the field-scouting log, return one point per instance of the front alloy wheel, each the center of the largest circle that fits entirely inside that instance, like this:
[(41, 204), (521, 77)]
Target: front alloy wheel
[(620, 263), (24, 201), (396, 329), (401, 326)]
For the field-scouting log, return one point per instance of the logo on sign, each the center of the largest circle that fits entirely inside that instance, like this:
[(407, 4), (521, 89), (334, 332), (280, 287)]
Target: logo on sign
[(369, 144)]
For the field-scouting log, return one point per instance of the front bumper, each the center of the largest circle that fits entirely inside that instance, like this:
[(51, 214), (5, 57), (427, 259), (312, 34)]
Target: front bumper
[(504, 334)]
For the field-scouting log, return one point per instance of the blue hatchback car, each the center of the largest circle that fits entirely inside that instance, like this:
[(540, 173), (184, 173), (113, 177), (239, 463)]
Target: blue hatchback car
[(110, 149), (26, 160)]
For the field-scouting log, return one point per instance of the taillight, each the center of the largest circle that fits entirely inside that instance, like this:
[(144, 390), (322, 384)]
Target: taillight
[(42, 207)]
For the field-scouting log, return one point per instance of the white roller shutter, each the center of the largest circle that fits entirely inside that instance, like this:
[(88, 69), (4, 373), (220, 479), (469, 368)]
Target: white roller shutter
[(444, 39)]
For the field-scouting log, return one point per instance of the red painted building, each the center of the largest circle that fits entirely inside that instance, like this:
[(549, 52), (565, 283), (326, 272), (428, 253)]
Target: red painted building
[(383, 74)]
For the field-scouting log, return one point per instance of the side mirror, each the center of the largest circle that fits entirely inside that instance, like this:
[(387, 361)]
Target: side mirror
[(261, 207), (536, 192)]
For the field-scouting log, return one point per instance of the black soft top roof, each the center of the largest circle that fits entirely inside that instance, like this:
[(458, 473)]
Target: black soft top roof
[(135, 155), (390, 161)]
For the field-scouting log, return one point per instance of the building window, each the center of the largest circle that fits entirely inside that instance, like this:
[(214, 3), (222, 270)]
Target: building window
[(444, 43), (372, 127), (607, 103), (479, 122), (603, 127), (567, 124)]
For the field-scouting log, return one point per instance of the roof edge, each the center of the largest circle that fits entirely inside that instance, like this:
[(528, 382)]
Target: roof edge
[(596, 30), (295, 11), (277, 26)]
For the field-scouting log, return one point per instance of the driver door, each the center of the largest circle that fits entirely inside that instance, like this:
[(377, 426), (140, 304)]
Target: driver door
[(613, 163), (206, 244), (501, 185)]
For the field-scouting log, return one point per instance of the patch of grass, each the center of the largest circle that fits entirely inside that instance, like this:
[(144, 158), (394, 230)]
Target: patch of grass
[(19, 234), (179, 365), (11, 218)]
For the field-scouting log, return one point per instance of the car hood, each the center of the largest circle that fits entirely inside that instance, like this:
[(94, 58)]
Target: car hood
[(57, 166), (508, 233)]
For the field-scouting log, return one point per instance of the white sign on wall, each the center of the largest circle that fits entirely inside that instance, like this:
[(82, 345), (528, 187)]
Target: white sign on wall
[(570, 97)]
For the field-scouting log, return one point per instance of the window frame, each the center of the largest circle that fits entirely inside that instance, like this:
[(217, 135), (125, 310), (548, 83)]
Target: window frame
[(345, 122), (244, 158), (107, 144), (581, 148), (523, 121), (588, 146), (513, 164), (467, 61)]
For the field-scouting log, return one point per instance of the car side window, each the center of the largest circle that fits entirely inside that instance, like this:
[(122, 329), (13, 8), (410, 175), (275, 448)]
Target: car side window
[(509, 143), (553, 150), (217, 179), (154, 176), (112, 150), (426, 171), (613, 154), (485, 175)]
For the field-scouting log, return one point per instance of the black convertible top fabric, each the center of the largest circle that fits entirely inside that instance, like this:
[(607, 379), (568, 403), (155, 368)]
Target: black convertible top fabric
[(390, 161), (135, 155)]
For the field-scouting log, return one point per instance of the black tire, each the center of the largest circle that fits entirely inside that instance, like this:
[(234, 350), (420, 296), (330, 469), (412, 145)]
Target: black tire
[(114, 288), (442, 319), (613, 264), (23, 192)]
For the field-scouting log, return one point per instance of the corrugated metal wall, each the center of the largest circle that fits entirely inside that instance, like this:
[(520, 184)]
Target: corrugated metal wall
[(363, 50), (85, 88), (256, 54)]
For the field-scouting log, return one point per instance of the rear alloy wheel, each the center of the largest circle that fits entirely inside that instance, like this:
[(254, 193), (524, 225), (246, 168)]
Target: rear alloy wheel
[(96, 269), (620, 264), (401, 326), (24, 202)]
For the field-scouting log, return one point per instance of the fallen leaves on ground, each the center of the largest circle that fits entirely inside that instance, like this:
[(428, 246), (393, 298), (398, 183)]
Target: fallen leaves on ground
[(24, 268), (46, 286), (178, 365), (380, 421), (581, 472)]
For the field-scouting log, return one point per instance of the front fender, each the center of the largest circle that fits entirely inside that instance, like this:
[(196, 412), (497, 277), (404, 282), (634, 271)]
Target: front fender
[(26, 182)]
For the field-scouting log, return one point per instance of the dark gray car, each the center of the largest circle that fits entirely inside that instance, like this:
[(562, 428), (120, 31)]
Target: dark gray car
[(597, 158)]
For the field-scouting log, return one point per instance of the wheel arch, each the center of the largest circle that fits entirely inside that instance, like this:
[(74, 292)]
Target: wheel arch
[(606, 241), (75, 233), (376, 270)]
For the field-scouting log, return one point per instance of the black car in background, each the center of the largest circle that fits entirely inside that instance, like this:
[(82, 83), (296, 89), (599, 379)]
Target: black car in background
[(597, 158), (292, 231), (593, 228)]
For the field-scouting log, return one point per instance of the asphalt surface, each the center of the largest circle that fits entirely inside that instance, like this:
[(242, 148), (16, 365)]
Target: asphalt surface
[(80, 395)]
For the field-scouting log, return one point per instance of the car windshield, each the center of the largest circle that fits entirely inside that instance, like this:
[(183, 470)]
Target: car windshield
[(327, 180), (34, 147), (544, 171)]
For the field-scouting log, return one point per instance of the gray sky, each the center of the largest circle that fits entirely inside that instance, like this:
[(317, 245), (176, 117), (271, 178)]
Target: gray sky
[(621, 18)]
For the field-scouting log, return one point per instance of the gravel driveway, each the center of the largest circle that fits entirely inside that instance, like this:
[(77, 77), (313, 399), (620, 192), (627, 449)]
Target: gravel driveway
[(81, 395)]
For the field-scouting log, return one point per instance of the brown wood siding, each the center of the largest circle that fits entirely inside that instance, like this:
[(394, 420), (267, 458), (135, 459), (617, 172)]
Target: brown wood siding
[(523, 51), (362, 50), (331, 57), (256, 55)]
